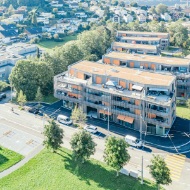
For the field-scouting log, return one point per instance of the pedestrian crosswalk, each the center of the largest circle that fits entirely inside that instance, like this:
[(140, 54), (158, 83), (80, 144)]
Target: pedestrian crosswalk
[(175, 163)]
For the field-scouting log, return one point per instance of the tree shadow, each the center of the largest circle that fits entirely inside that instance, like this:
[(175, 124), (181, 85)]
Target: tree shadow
[(105, 177), (3, 159)]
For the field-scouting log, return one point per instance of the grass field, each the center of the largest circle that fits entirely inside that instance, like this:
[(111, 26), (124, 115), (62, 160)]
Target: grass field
[(58, 171), (183, 112), (50, 44), (49, 99), (8, 158)]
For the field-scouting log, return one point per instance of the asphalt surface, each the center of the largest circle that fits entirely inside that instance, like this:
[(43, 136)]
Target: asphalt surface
[(177, 142)]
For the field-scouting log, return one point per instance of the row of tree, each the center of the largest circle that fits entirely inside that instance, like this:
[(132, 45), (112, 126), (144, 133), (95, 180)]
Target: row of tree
[(115, 154), (32, 73)]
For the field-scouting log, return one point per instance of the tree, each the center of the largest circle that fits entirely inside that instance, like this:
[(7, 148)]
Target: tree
[(152, 10), (159, 171), (78, 116), (21, 99), (53, 136), (11, 9), (34, 19), (39, 96), (55, 10), (115, 153), (28, 75), (161, 8), (133, 4), (82, 145), (188, 103)]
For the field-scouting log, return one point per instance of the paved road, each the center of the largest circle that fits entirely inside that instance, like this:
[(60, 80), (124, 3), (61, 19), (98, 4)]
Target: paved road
[(29, 123), (178, 141)]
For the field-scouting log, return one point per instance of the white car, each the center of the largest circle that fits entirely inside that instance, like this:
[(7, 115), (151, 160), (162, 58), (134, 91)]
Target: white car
[(64, 120), (91, 129), (133, 141)]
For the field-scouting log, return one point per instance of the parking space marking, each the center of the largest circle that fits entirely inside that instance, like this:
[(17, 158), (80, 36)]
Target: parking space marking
[(175, 163)]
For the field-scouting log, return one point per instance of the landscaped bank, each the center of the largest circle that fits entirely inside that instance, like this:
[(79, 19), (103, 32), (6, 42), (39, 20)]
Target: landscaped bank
[(8, 158), (59, 171)]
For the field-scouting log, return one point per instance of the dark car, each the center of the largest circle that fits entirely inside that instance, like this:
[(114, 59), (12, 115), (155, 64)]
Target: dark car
[(34, 110), (2, 96)]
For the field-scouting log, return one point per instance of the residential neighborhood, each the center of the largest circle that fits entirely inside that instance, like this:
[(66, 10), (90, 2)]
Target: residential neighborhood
[(94, 95)]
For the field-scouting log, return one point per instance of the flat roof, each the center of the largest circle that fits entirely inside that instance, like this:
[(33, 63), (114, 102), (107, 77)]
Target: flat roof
[(20, 46), (141, 77), (134, 46), (146, 33), (149, 58), (140, 38)]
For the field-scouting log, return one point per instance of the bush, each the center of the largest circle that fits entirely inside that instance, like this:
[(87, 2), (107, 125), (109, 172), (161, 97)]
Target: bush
[(4, 86), (34, 40)]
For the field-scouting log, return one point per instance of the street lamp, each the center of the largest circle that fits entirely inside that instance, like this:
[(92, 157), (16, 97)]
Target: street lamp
[(108, 119)]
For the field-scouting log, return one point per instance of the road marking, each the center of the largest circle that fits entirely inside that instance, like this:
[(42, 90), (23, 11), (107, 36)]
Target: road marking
[(175, 163)]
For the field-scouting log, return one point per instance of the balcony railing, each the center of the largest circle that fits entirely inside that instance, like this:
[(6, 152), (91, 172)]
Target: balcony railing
[(66, 97), (159, 113), (123, 112), (125, 104), (157, 122)]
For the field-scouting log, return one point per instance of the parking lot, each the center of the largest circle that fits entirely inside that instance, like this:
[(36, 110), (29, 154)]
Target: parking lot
[(18, 141)]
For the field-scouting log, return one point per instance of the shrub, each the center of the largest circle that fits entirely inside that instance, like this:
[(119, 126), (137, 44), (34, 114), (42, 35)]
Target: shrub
[(4, 86)]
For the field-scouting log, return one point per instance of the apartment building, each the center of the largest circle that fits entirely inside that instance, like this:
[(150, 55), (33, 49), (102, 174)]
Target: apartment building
[(138, 36), (125, 95), (180, 67), (135, 48)]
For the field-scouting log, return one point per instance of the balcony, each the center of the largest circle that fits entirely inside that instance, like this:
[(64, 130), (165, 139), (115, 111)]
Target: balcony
[(123, 112), (65, 96), (94, 105), (158, 122), (158, 112), (125, 104)]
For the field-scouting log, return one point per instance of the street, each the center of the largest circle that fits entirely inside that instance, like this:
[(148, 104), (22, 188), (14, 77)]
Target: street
[(27, 128)]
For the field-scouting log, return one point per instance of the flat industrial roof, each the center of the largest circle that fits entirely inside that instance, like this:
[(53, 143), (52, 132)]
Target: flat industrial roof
[(146, 33), (141, 38), (20, 46), (149, 58), (134, 46), (141, 77)]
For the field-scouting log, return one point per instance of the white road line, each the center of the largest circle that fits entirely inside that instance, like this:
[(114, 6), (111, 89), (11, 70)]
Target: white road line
[(173, 143)]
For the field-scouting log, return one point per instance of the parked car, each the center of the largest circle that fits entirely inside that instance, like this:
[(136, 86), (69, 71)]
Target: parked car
[(133, 141), (91, 129), (2, 96), (34, 110), (64, 120)]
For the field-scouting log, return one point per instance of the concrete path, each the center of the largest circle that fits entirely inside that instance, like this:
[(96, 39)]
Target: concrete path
[(22, 162)]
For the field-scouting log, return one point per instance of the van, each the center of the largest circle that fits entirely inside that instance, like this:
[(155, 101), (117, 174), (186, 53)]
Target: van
[(64, 120), (133, 141)]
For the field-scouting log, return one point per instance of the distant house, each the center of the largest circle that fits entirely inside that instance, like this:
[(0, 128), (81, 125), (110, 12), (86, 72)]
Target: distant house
[(153, 17), (17, 17), (21, 10), (63, 13), (128, 18), (141, 18), (84, 4), (74, 5), (100, 12), (116, 18), (8, 35), (187, 12), (8, 27), (33, 32), (2, 9), (81, 15), (166, 17)]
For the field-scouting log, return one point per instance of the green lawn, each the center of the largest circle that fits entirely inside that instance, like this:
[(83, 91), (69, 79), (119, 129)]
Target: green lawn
[(183, 112), (50, 44), (59, 171), (8, 158), (49, 99)]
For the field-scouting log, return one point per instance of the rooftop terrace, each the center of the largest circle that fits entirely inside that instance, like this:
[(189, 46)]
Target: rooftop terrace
[(141, 77), (149, 58)]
